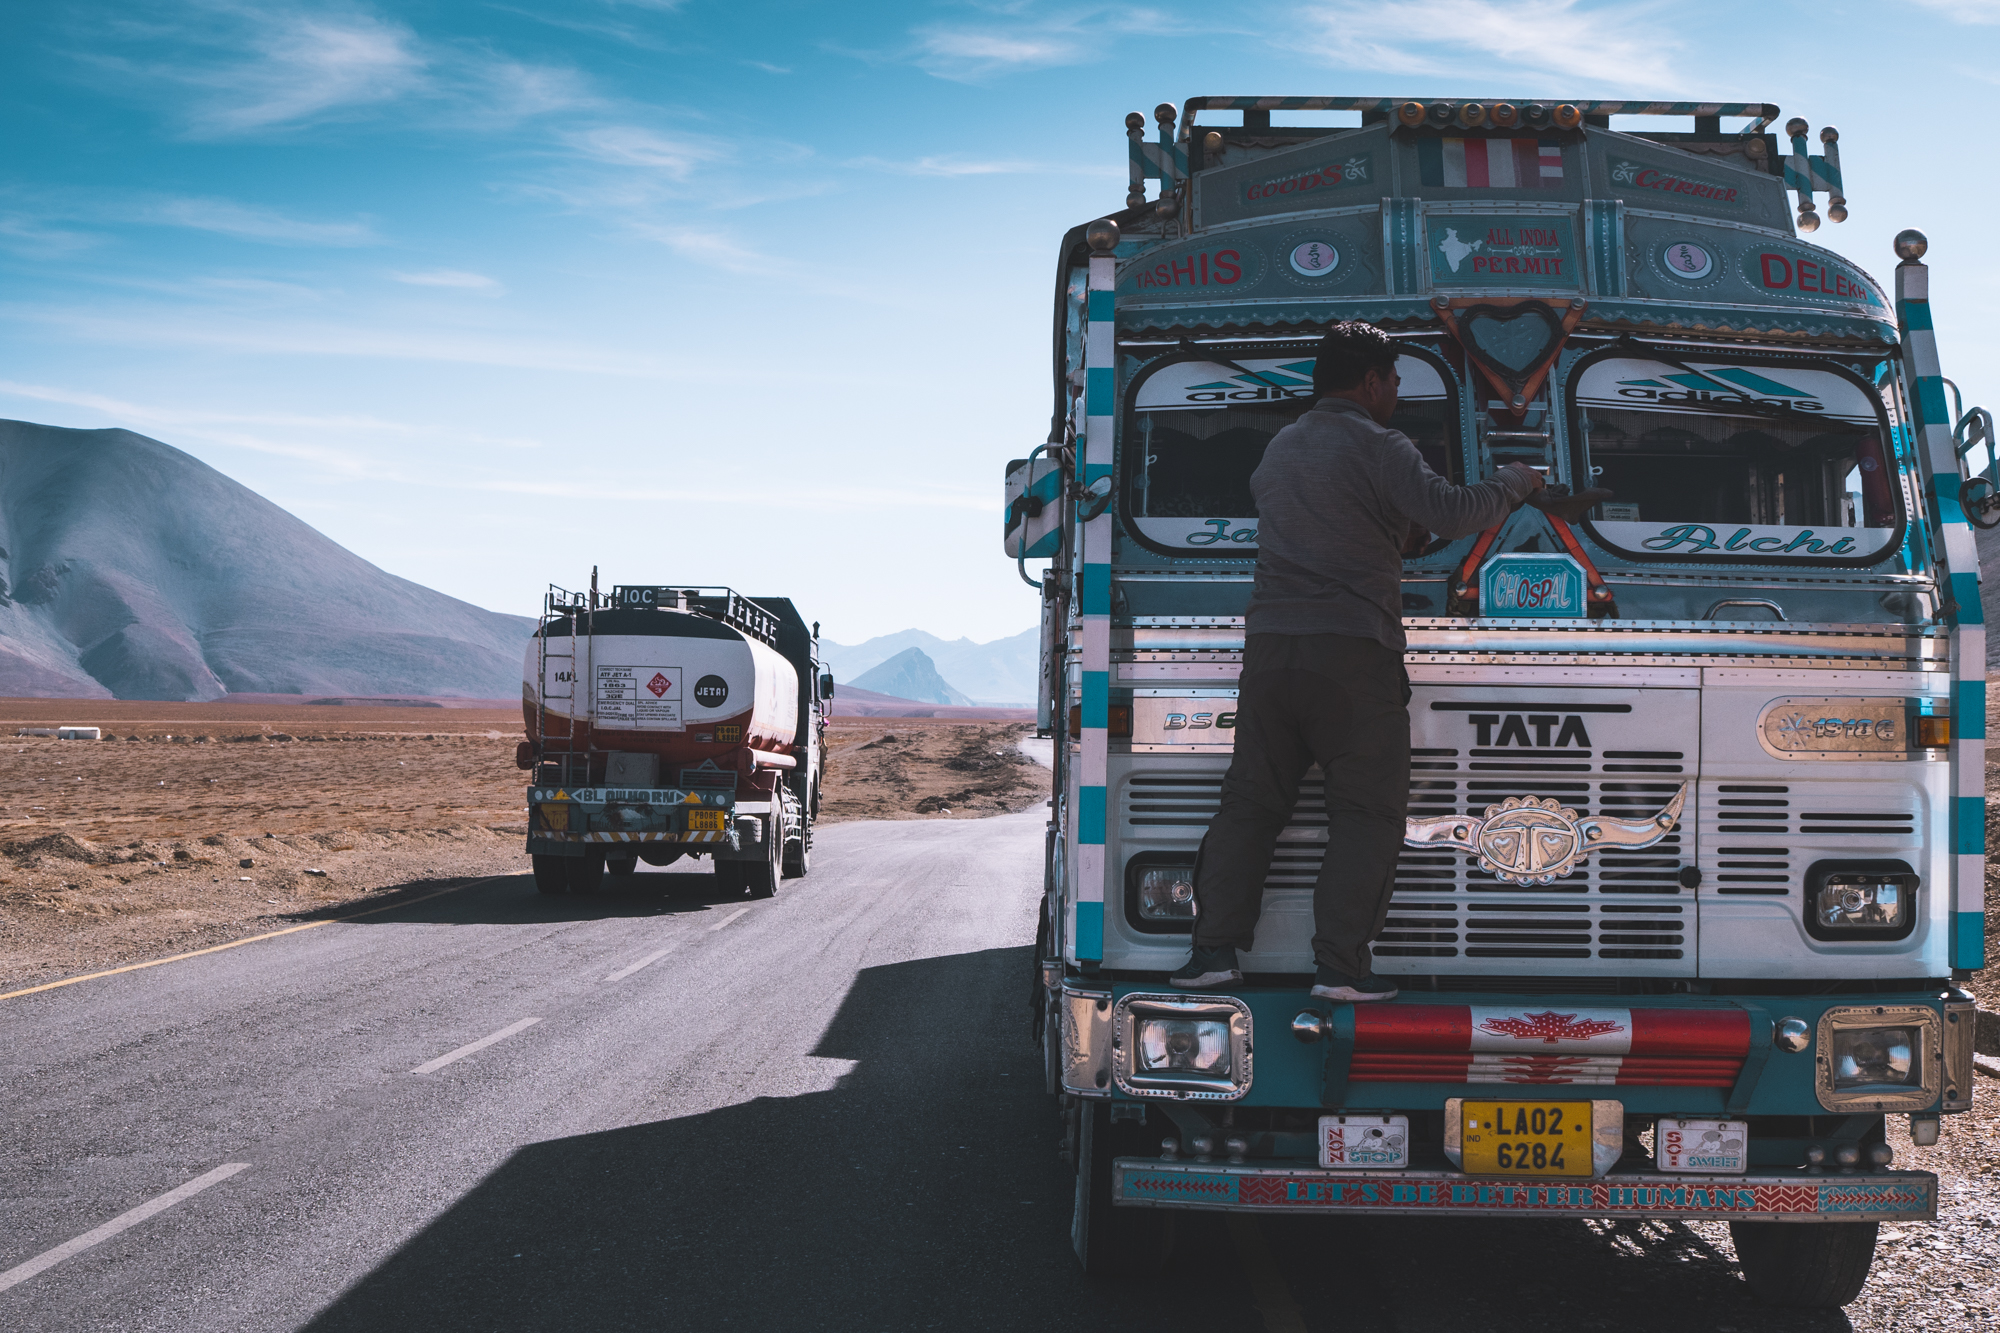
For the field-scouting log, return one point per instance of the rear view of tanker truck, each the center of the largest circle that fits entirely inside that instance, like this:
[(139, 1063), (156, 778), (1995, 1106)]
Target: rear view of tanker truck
[(670, 722), (1695, 855)]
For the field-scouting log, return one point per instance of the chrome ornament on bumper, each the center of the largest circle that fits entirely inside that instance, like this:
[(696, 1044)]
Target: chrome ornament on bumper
[(1538, 840)]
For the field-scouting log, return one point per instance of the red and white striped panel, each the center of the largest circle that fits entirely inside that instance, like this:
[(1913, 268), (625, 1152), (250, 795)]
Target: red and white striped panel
[(1447, 1043)]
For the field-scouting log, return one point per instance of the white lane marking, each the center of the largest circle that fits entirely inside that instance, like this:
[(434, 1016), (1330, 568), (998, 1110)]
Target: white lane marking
[(472, 1046), (731, 917), (49, 1259), (647, 961)]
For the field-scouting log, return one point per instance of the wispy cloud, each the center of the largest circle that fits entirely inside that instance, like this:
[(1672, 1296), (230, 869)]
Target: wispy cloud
[(949, 166), (767, 68), (1021, 36), (300, 67), (971, 53), (712, 249), (449, 277), (236, 69), (673, 155), (228, 218), (1568, 38), (1964, 11)]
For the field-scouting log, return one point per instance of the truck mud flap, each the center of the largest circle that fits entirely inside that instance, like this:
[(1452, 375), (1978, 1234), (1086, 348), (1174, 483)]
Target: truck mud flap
[(1889, 1196)]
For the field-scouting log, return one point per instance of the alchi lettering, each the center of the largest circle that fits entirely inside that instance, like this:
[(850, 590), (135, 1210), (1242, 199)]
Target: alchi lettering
[(1696, 537)]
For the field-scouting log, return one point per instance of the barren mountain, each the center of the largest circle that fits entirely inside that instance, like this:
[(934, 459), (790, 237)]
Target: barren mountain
[(130, 570)]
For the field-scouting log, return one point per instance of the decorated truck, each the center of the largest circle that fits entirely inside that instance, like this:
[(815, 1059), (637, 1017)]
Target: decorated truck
[(1695, 850), (665, 722)]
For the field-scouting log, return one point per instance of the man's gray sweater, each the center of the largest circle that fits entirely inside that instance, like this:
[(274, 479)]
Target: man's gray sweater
[(1336, 494)]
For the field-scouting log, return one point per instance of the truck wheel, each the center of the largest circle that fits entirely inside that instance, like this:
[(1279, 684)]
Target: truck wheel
[(550, 876), (761, 877), (1810, 1266), (622, 865), (1113, 1242), (586, 873), (798, 853)]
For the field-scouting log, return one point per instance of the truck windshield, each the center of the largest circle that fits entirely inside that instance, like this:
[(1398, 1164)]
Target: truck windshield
[(1716, 458), (1198, 429)]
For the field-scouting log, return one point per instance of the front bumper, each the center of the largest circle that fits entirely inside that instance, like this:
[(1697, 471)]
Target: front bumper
[(1770, 1196)]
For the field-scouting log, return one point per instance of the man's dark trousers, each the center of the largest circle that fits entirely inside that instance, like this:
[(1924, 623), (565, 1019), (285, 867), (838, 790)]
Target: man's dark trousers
[(1340, 702)]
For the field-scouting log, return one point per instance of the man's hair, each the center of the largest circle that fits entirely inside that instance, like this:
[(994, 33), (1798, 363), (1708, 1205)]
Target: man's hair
[(1348, 352)]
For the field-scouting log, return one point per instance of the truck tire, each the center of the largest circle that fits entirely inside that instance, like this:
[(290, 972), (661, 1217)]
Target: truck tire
[(761, 877), (798, 853), (550, 876), (1808, 1266), (586, 873), (622, 865), (1113, 1243)]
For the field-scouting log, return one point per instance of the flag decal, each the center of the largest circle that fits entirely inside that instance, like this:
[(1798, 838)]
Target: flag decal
[(1491, 164)]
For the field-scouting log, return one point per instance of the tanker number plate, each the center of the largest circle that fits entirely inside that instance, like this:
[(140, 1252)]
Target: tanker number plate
[(1526, 1138), (705, 821)]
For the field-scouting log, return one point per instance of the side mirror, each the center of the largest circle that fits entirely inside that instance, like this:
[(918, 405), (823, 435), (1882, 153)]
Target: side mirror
[(826, 685)]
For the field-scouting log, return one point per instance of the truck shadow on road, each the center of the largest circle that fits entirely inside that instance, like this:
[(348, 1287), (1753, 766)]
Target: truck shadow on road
[(514, 900), (924, 1190)]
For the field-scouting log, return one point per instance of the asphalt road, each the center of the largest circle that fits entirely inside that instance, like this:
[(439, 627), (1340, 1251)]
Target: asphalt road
[(820, 1111)]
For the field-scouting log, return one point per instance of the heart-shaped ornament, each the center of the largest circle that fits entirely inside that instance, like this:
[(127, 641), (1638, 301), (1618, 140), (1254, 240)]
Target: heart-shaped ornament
[(1514, 340)]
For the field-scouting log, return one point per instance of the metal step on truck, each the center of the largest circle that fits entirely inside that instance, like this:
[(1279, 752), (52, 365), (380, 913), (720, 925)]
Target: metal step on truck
[(1696, 837), (665, 722)]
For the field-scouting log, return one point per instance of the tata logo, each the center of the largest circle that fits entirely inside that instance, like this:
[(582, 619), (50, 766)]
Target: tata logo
[(1513, 728)]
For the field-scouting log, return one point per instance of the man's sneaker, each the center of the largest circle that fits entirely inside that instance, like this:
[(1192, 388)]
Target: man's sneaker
[(1207, 968), (1340, 987)]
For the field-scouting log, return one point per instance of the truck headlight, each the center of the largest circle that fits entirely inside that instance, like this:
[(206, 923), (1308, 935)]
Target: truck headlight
[(1860, 900), (1874, 1057), (1159, 893), (1182, 1047), (1879, 1058)]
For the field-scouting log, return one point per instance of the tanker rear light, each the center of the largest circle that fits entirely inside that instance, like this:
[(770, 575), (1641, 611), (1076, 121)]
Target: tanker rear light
[(1118, 725)]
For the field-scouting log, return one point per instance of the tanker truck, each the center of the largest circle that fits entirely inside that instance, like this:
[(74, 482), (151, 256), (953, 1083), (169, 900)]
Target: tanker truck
[(669, 722)]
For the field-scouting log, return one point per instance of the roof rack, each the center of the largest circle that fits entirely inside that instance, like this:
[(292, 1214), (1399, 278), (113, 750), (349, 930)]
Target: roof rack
[(1440, 113), (727, 605)]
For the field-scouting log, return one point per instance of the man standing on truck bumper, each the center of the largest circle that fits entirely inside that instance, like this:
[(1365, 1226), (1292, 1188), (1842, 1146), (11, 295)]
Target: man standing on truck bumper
[(1323, 678)]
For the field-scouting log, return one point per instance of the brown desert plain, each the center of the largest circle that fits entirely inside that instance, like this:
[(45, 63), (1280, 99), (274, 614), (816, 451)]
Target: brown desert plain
[(196, 824)]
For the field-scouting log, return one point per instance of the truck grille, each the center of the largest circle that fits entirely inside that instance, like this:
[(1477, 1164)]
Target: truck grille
[(1446, 907)]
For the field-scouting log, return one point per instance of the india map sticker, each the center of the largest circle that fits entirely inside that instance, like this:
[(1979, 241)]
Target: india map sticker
[(1315, 259), (1685, 259)]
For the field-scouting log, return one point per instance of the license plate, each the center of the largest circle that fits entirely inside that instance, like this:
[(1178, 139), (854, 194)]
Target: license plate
[(1526, 1138), (1364, 1141), (555, 815), (1709, 1147), (705, 821)]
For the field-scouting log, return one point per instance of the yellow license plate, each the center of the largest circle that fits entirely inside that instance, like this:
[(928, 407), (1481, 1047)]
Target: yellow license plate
[(706, 821), (1525, 1138), (555, 816)]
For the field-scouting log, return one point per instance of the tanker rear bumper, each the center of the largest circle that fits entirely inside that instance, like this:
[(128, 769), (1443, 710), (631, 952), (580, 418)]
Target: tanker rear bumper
[(1767, 1196)]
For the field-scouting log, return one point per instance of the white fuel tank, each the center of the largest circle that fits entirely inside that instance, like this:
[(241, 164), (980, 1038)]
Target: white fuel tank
[(682, 686)]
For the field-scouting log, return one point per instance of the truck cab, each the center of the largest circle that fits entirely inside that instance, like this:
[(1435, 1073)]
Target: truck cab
[(1695, 851)]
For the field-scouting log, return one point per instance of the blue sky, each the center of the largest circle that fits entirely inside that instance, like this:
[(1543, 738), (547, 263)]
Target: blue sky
[(754, 293)]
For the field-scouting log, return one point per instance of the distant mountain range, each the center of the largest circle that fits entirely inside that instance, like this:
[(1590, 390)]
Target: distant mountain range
[(131, 570), (910, 675), (1000, 673)]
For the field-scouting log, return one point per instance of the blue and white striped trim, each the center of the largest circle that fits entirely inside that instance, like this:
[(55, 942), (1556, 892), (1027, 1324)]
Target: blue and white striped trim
[(1958, 557), (1100, 394)]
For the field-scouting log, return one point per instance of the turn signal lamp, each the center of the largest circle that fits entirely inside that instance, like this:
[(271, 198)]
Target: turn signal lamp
[(1933, 731), (1118, 724), (1506, 115), (1568, 117), (1411, 114)]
